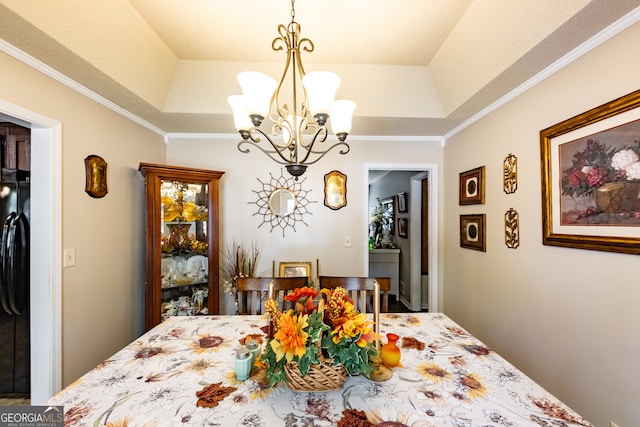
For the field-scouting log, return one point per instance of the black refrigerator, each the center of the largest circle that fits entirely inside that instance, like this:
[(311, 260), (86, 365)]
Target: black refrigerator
[(15, 363)]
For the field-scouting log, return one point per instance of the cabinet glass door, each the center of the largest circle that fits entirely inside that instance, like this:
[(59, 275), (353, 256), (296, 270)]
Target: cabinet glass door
[(184, 248)]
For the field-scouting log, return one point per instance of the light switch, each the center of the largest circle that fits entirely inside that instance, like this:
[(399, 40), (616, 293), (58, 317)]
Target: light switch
[(69, 256), (347, 241)]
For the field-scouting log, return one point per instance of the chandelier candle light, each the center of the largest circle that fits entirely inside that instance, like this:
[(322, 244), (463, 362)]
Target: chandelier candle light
[(261, 98)]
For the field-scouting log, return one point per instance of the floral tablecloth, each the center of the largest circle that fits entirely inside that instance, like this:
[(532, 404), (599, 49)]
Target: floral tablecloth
[(181, 373)]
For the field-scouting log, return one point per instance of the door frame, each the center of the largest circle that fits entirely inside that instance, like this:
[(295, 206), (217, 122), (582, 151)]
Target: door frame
[(414, 204), (46, 249)]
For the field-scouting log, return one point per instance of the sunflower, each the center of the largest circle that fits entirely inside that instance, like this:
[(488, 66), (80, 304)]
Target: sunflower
[(208, 343), (200, 366), (433, 372), (474, 388)]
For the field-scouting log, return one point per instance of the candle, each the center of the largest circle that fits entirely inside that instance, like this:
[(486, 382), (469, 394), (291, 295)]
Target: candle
[(271, 290), (376, 309)]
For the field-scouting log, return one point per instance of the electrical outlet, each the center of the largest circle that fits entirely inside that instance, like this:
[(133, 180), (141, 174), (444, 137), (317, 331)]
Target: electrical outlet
[(612, 424), (347, 241), (69, 257)]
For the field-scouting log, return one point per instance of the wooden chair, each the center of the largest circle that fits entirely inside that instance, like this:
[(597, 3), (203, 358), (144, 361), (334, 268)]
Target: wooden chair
[(252, 291), (360, 289)]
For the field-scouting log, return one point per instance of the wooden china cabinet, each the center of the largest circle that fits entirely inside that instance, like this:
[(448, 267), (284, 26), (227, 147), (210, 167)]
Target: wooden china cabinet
[(182, 250)]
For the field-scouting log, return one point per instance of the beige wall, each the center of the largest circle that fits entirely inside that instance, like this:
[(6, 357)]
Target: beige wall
[(566, 317), (102, 296), (323, 238)]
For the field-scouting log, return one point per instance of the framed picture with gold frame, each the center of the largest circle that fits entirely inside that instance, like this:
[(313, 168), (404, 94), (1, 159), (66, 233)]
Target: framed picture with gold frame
[(295, 269), (591, 179), (471, 187), (472, 232)]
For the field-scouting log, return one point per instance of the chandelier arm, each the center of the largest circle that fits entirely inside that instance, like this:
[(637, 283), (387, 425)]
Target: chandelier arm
[(322, 154), (322, 133), (280, 43), (253, 142)]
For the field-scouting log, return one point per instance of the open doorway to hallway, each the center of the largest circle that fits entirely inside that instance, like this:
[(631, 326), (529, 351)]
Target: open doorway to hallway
[(45, 266), (414, 231)]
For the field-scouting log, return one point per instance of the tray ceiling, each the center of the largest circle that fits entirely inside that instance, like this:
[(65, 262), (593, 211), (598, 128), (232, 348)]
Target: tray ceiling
[(415, 67)]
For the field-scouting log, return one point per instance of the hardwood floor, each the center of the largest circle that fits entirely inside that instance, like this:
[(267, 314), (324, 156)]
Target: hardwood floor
[(396, 306), (14, 401)]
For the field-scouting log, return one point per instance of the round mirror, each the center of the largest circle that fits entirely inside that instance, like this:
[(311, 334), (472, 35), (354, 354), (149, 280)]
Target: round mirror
[(282, 201)]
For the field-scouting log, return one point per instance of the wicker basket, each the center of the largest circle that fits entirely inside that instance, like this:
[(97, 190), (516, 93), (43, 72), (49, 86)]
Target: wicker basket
[(321, 377)]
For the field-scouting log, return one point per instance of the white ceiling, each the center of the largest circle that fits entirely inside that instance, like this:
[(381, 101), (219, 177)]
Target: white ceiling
[(415, 67)]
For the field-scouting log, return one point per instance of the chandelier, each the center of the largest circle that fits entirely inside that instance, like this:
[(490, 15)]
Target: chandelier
[(261, 98)]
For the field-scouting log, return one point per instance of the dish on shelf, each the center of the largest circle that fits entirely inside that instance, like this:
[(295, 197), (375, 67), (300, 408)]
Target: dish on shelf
[(197, 267)]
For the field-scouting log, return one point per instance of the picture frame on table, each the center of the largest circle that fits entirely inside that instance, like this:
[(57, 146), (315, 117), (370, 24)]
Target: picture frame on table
[(591, 178), (402, 227), (295, 269), (472, 232), (402, 202), (471, 187)]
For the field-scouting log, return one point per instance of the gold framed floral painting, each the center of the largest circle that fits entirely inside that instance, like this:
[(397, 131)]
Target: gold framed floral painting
[(591, 178)]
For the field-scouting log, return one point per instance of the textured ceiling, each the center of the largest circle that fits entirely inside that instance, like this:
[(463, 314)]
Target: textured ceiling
[(415, 67)]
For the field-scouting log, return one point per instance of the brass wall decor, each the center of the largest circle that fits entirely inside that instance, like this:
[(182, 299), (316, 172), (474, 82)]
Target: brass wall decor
[(282, 202), (471, 187), (512, 229), (96, 176), (510, 174), (335, 190)]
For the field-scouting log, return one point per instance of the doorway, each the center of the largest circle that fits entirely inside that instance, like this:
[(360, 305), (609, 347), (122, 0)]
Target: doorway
[(45, 268), (417, 287)]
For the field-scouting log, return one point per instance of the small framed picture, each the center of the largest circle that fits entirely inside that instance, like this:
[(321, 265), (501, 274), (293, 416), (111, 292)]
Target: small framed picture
[(472, 187), (402, 227), (472, 232), (402, 202), (295, 269)]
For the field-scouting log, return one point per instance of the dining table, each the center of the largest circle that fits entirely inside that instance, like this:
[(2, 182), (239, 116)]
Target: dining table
[(181, 372)]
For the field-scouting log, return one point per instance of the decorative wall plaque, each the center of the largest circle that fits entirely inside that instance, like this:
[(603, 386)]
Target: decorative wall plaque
[(96, 176), (510, 174), (512, 229)]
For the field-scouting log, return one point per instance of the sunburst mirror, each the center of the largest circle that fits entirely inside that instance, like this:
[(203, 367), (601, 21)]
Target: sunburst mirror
[(282, 202)]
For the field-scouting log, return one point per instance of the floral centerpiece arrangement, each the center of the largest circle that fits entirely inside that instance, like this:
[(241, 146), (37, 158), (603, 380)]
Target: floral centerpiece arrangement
[(598, 164), (319, 332)]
